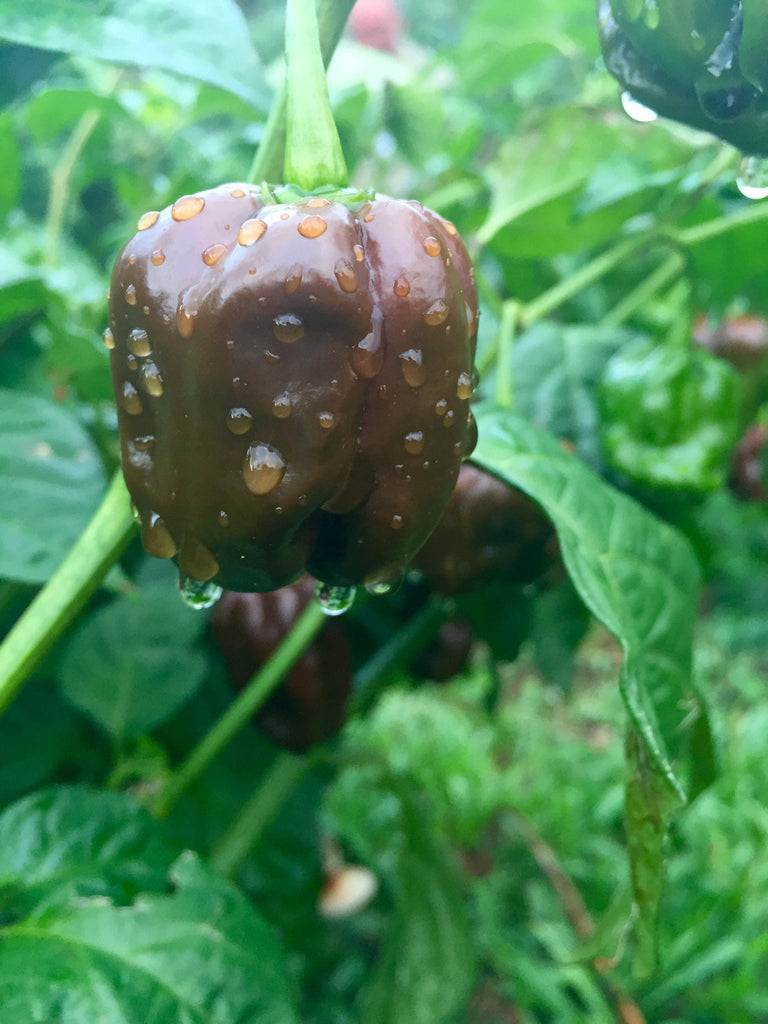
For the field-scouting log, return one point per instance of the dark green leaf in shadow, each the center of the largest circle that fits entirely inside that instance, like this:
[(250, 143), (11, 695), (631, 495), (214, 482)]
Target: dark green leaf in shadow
[(129, 687)]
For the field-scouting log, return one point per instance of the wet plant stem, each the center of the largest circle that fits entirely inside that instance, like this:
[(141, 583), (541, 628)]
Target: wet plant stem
[(281, 779), (242, 709), (270, 156), (313, 154), (287, 770), (662, 276), (79, 575), (510, 314)]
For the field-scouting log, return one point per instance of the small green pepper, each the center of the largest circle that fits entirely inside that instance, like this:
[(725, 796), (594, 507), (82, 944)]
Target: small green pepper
[(670, 416), (701, 62)]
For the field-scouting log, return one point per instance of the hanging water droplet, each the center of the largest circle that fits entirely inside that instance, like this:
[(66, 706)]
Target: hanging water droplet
[(636, 110), (379, 589), (199, 594), (752, 178), (334, 600)]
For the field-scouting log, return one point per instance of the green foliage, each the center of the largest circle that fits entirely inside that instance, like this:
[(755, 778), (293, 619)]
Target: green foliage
[(671, 416), (189, 948), (53, 480), (523, 820)]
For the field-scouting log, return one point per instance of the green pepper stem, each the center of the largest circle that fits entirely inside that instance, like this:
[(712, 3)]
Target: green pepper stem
[(287, 770), (510, 313), (242, 709), (570, 286), (663, 275), (64, 595), (313, 154), (268, 163)]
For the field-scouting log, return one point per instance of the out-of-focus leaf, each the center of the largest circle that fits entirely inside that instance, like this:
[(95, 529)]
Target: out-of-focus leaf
[(52, 482), (651, 802), (555, 372), (10, 179), (427, 966), (210, 43), (37, 733), (189, 949), (131, 688)]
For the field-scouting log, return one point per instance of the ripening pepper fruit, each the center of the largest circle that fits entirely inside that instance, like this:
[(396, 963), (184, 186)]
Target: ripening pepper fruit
[(310, 703), (701, 62), (293, 373), (670, 416), (489, 532)]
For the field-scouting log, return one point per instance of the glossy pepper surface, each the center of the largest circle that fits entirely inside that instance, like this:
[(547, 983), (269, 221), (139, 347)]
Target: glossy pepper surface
[(701, 62), (293, 374), (489, 532)]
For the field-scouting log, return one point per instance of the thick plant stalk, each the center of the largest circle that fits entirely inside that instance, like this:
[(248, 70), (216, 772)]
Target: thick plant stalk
[(79, 575), (269, 159)]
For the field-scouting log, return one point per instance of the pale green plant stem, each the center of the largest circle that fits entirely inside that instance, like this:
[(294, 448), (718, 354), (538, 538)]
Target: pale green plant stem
[(54, 607), (242, 709)]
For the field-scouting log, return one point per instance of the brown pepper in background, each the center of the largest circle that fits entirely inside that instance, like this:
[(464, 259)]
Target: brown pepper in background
[(490, 531), (310, 703), (747, 475), (293, 383), (741, 340)]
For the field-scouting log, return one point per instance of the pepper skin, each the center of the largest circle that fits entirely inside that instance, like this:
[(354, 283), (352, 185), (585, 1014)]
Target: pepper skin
[(701, 62), (293, 381), (490, 531), (310, 703)]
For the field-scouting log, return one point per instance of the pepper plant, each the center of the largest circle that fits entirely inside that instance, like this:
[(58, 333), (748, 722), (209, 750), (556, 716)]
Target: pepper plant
[(502, 767)]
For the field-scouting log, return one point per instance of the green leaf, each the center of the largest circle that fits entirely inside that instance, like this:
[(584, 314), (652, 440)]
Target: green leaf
[(427, 966), (203, 41), (192, 950), (651, 801), (130, 688), (640, 578), (555, 372), (38, 733), (52, 482), (67, 842), (635, 573)]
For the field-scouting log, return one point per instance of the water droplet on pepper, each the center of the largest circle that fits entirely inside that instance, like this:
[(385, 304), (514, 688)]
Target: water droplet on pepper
[(288, 328), (187, 207), (263, 469), (147, 220)]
